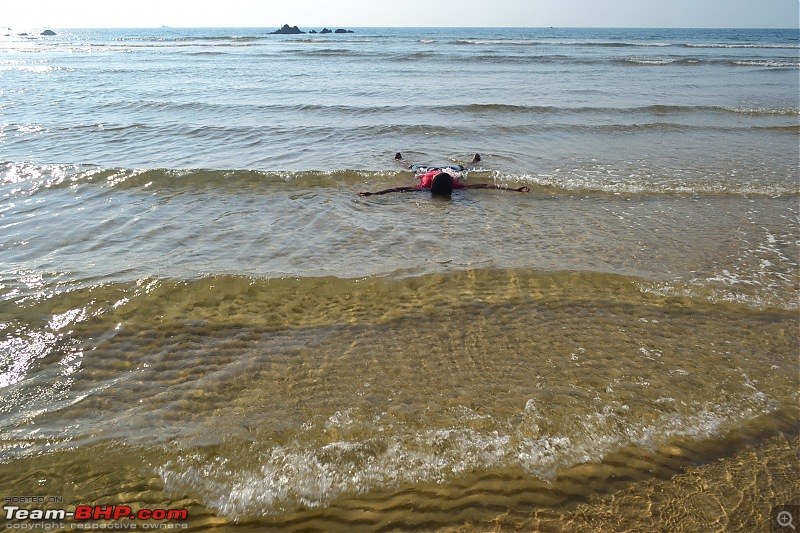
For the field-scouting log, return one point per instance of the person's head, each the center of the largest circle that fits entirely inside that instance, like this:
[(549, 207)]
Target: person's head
[(442, 184)]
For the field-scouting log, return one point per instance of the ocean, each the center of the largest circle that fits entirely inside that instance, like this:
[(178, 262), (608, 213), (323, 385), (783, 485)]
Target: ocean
[(200, 313)]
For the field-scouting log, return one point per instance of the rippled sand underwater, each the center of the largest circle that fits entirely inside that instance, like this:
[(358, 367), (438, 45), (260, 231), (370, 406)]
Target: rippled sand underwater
[(497, 399)]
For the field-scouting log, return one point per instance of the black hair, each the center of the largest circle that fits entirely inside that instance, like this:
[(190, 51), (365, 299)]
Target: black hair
[(442, 184)]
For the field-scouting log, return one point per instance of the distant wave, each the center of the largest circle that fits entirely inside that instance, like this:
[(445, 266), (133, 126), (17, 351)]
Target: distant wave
[(733, 62), (467, 109), (325, 52), (542, 42), (742, 45), (568, 59), (651, 109), (619, 44), (190, 38), (768, 63)]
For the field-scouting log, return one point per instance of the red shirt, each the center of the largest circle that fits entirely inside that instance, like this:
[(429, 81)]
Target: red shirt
[(426, 180)]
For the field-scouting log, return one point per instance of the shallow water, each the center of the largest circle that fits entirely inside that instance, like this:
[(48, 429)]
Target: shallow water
[(288, 402), (198, 311)]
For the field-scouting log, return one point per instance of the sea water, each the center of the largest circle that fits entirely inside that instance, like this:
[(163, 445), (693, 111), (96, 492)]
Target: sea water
[(199, 311)]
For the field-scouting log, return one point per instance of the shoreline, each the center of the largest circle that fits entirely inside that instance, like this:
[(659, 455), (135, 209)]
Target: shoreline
[(736, 490)]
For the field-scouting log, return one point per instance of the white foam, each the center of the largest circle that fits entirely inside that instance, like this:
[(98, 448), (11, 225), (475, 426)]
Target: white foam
[(301, 475)]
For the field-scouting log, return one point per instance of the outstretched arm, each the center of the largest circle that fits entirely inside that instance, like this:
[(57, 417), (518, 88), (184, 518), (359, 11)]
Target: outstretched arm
[(493, 186), (384, 191)]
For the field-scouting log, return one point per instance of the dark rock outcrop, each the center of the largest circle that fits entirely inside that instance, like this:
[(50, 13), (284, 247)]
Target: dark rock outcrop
[(48, 32), (294, 30), (287, 30)]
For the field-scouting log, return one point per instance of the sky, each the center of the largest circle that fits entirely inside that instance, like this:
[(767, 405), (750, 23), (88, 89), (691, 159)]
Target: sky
[(310, 14)]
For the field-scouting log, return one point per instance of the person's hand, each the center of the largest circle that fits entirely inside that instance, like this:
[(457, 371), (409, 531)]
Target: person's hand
[(524, 188)]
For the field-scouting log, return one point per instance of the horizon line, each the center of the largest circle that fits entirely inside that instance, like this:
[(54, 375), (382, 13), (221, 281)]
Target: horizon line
[(167, 26)]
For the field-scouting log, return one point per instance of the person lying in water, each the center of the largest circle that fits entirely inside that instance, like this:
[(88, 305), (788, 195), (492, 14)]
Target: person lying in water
[(442, 183)]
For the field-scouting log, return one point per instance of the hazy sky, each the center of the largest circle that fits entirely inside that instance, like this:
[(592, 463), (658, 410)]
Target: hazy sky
[(379, 13)]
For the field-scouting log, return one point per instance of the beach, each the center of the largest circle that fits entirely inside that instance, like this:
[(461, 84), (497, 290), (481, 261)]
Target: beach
[(200, 313)]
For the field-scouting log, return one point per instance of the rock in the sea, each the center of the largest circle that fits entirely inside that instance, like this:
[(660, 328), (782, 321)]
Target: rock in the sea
[(287, 30), (343, 31), (48, 32), (326, 30)]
